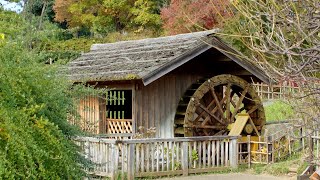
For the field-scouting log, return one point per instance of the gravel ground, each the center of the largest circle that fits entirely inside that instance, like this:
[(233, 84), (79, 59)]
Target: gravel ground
[(236, 176)]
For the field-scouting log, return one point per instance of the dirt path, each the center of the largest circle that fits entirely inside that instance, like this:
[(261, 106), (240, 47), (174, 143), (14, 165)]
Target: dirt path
[(233, 176)]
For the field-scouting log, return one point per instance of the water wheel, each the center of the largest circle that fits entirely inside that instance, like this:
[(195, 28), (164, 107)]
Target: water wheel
[(209, 106)]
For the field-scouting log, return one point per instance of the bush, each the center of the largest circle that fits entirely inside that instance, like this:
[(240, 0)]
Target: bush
[(33, 120)]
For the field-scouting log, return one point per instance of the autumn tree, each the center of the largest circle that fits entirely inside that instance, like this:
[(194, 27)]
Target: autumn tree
[(102, 16), (183, 16)]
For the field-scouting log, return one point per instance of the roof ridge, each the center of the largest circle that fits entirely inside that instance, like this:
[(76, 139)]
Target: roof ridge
[(96, 47)]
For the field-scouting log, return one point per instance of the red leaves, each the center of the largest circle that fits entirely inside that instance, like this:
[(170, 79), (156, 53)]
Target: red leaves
[(194, 15)]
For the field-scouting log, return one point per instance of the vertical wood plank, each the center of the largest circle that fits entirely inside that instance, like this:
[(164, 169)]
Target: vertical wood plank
[(209, 153), (148, 157), (122, 160), (218, 152), (195, 150), (114, 161), (177, 152), (204, 158), (162, 155), (142, 145), (184, 158), (141, 106), (213, 153), (226, 153), (157, 108), (108, 155), (249, 150), (158, 155), (131, 160), (171, 144), (137, 165), (152, 107), (190, 154), (199, 154), (134, 109), (162, 107), (152, 157), (145, 106), (222, 153), (167, 156), (233, 153)]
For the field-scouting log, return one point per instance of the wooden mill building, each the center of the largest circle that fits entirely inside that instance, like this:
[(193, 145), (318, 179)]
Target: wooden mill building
[(149, 78)]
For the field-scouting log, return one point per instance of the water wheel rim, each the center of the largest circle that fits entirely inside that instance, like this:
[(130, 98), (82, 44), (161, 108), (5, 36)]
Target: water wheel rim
[(245, 92)]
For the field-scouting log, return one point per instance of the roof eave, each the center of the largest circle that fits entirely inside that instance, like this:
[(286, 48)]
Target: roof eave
[(232, 54), (158, 73)]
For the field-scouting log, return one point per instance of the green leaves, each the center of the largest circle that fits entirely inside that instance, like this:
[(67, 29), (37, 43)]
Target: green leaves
[(33, 119), (105, 16)]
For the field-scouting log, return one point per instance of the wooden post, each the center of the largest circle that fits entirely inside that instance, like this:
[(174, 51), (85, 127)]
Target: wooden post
[(249, 151), (131, 160), (317, 140), (302, 138), (114, 161), (184, 159), (233, 153), (289, 139), (259, 149), (310, 149), (272, 150)]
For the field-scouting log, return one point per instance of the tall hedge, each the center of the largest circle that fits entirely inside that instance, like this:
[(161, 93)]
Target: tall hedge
[(34, 133)]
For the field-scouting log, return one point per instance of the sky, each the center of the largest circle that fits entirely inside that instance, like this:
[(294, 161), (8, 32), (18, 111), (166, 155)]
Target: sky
[(11, 6)]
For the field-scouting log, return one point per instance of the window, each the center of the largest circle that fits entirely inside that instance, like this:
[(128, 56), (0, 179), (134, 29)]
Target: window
[(119, 104)]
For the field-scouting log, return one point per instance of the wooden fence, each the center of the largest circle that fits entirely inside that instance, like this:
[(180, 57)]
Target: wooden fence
[(269, 92), (271, 148), (315, 146), (158, 157)]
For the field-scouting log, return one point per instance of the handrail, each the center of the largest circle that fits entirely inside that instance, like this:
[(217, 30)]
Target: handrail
[(150, 140)]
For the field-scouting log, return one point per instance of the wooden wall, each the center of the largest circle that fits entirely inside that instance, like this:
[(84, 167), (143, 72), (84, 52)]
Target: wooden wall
[(156, 104), (92, 112)]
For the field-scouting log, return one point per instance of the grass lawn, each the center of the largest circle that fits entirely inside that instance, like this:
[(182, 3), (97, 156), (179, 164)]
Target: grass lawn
[(278, 111)]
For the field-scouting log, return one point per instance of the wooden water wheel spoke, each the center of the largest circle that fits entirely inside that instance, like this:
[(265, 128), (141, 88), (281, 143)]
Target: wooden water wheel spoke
[(228, 93), (217, 101), (211, 114), (206, 121), (213, 111), (254, 108), (215, 104), (244, 92)]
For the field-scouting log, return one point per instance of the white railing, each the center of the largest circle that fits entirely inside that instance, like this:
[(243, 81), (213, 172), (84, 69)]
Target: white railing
[(157, 157)]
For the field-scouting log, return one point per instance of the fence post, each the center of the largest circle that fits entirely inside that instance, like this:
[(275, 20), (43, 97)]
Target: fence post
[(249, 150), (114, 160), (234, 153), (131, 165), (185, 159)]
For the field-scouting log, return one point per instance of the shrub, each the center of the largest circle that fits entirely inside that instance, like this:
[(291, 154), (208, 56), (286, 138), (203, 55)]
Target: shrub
[(33, 119)]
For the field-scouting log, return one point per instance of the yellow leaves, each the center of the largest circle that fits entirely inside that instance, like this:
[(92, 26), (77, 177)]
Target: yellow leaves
[(2, 36), (42, 123), (4, 134)]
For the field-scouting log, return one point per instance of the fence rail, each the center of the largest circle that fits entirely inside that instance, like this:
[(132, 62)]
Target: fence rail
[(266, 91), (157, 157), (270, 148)]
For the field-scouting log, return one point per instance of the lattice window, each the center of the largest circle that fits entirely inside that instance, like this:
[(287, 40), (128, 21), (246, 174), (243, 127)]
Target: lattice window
[(119, 111)]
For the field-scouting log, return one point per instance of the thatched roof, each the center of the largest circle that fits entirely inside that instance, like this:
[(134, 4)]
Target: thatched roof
[(146, 59)]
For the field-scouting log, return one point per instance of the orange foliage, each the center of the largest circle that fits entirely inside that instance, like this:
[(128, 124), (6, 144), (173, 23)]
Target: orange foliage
[(194, 15), (61, 9)]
